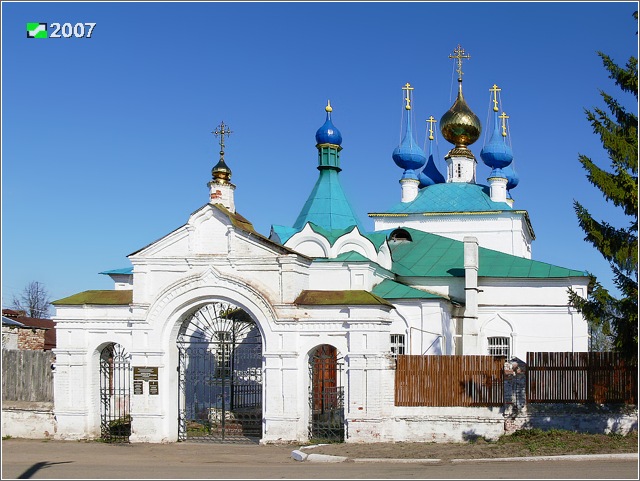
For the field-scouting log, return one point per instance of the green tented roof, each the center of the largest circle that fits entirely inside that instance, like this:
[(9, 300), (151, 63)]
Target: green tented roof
[(430, 255), (389, 289), (100, 298), (327, 205), (340, 298), (285, 233)]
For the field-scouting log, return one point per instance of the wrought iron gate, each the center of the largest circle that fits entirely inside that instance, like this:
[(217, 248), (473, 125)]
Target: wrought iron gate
[(326, 395), (220, 376), (115, 394)]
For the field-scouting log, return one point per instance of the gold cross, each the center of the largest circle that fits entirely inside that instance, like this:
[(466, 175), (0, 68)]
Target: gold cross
[(222, 130), (431, 121), (504, 118), (495, 91), (459, 54), (407, 87)]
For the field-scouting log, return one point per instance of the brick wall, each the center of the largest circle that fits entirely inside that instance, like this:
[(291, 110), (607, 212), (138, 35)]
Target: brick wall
[(31, 339)]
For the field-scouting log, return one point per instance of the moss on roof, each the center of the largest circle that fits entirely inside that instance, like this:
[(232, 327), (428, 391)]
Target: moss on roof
[(340, 298), (389, 289), (100, 298)]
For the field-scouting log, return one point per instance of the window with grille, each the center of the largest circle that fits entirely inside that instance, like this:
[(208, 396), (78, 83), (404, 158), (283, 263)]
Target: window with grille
[(397, 345), (499, 346)]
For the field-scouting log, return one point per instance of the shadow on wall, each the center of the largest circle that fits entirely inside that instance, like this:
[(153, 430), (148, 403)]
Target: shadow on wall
[(592, 419)]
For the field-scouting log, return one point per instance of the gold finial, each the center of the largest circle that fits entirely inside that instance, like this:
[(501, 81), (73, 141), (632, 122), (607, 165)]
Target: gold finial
[(222, 130), (328, 107), (459, 55), (504, 118), (495, 91), (431, 121), (407, 87)]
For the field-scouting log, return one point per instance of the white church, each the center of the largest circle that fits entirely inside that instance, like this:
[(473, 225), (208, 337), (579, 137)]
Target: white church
[(217, 332)]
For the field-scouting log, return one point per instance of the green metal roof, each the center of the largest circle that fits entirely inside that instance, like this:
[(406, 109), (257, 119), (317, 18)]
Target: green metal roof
[(124, 270), (351, 256), (430, 255), (101, 298), (340, 298), (450, 197), (327, 205), (389, 289)]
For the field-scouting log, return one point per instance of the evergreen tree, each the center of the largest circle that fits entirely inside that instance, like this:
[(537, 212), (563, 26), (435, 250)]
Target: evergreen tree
[(618, 131)]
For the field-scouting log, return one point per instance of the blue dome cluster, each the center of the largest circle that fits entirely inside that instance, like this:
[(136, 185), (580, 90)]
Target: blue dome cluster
[(496, 153), (408, 155), (512, 177), (328, 133), (430, 175)]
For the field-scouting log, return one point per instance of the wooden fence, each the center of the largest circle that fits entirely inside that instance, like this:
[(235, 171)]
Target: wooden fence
[(580, 377), (449, 381), (27, 375)]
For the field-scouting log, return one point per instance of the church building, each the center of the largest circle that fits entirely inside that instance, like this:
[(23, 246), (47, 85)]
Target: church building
[(218, 332)]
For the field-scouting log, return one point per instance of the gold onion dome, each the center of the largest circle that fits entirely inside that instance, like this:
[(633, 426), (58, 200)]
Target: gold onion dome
[(221, 172), (460, 126)]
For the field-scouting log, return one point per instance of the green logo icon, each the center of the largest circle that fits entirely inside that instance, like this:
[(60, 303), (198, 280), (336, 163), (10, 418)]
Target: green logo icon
[(36, 30)]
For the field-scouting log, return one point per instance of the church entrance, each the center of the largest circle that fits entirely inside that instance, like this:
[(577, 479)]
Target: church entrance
[(220, 376), (115, 394), (326, 395)]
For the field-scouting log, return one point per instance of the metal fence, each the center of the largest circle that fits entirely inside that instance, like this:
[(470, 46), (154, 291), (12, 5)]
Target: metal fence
[(580, 377), (449, 380), (27, 375)]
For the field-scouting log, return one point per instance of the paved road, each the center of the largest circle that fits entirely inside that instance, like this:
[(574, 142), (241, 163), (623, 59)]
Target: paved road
[(37, 459)]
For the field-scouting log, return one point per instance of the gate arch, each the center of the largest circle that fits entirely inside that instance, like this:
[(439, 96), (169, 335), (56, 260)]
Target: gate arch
[(115, 393), (220, 375), (326, 394)]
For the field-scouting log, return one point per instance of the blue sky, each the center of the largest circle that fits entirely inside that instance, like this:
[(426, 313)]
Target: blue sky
[(107, 145)]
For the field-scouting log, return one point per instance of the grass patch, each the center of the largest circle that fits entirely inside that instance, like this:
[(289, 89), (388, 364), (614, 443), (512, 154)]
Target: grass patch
[(557, 441)]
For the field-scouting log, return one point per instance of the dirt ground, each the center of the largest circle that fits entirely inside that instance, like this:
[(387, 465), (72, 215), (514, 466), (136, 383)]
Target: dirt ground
[(535, 443)]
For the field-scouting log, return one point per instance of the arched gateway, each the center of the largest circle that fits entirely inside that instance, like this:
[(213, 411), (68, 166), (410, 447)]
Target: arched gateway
[(220, 375)]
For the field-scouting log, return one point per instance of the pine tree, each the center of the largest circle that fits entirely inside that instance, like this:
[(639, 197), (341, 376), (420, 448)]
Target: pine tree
[(618, 131)]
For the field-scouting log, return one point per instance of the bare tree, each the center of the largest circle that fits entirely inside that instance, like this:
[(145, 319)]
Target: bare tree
[(34, 301)]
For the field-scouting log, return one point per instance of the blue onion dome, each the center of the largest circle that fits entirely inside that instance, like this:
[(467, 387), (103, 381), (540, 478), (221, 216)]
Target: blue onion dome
[(430, 175), (408, 155), (328, 133), (496, 153), (512, 178), (497, 172)]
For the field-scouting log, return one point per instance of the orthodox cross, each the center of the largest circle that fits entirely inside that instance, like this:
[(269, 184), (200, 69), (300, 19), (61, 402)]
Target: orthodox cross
[(222, 130), (459, 55), (431, 121), (407, 87), (495, 91), (504, 118)]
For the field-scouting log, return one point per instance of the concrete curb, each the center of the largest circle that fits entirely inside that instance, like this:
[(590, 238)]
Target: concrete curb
[(298, 455), (564, 457)]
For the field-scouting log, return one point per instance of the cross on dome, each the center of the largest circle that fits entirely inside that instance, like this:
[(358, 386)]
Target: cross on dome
[(459, 55)]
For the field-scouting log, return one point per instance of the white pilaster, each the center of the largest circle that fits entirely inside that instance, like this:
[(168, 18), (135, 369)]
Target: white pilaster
[(222, 194), (498, 187), (409, 189)]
